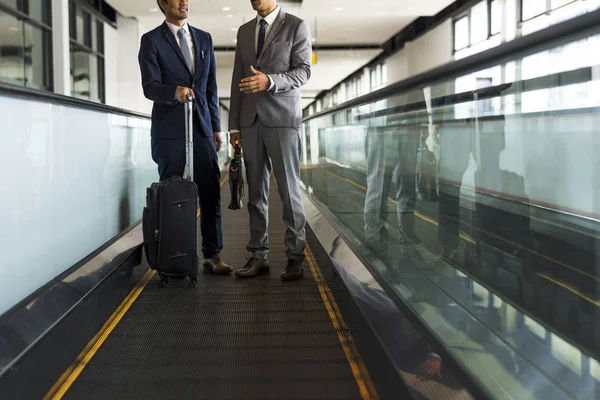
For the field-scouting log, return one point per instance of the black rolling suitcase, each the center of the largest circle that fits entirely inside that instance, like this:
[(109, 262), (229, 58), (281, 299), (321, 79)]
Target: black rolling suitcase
[(169, 219)]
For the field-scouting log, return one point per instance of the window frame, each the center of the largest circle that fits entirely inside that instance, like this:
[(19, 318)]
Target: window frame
[(548, 10), (21, 14), (92, 49), (467, 14)]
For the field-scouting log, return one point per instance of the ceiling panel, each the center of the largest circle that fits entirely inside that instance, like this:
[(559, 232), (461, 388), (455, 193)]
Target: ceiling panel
[(332, 21)]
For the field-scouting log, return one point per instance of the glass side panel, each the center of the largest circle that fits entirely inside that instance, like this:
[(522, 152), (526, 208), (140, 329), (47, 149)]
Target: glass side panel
[(78, 169), (477, 200)]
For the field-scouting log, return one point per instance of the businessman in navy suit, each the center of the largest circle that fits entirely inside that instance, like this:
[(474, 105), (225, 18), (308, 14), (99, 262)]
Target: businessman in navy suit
[(177, 61)]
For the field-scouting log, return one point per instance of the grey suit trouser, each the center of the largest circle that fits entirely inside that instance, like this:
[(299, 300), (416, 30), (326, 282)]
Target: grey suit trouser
[(280, 149)]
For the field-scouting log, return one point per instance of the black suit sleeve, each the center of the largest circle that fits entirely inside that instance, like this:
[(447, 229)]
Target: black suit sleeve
[(212, 91), (151, 75)]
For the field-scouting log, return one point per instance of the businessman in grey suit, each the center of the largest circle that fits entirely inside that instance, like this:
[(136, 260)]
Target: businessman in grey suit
[(272, 61)]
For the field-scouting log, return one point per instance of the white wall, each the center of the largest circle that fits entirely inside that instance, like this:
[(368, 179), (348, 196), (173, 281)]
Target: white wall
[(123, 77), (431, 50), (131, 96), (427, 52)]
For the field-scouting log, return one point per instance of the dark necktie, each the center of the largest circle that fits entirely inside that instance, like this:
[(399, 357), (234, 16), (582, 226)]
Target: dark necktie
[(261, 37), (185, 50)]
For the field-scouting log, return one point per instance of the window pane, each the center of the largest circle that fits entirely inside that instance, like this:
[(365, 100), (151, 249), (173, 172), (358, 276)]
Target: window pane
[(16, 4), (80, 72), (12, 66), (94, 92), (559, 3), (496, 17), (374, 84), (37, 57), (479, 23), (531, 8), (84, 28), (80, 21), (40, 10), (461, 33)]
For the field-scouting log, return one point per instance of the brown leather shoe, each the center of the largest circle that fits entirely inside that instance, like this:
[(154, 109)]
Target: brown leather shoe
[(216, 265), (293, 270), (254, 267)]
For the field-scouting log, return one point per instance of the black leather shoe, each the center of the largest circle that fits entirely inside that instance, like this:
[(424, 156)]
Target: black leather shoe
[(293, 270), (254, 267)]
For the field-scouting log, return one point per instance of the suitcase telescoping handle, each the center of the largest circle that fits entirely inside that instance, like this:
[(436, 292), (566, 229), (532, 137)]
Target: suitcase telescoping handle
[(188, 173)]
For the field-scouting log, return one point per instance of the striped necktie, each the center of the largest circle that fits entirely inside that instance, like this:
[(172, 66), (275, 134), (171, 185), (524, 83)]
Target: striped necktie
[(185, 49)]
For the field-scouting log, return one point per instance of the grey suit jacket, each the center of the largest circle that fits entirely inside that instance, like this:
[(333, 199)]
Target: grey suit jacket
[(286, 57)]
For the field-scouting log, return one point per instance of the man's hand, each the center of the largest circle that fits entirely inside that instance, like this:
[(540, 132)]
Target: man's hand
[(432, 368), (259, 82), (218, 140), (181, 94), (235, 138)]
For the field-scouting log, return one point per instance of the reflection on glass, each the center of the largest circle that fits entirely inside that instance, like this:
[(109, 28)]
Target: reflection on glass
[(13, 3), (37, 57), (476, 201), (80, 72), (84, 27), (97, 178), (94, 88), (12, 62), (25, 53), (40, 10)]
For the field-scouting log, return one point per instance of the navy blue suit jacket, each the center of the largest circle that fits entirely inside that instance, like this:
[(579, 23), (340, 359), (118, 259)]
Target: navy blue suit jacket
[(163, 69)]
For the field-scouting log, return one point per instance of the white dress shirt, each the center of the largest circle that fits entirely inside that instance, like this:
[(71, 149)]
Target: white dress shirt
[(270, 19), (188, 37)]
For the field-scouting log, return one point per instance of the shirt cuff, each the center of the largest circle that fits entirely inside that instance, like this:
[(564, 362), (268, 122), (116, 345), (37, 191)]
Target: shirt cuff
[(272, 83), (234, 131)]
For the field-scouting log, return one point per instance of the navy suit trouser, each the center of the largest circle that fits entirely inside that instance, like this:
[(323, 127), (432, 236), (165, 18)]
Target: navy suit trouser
[(169, 154)]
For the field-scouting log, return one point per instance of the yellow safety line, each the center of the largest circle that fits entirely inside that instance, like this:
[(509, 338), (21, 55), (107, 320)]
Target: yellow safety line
[(67, 379), (359, 371), (570, 289), (70, 375), (224, 179), (487, 233)]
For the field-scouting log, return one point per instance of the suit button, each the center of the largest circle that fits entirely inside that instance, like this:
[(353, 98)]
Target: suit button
[(193, 85)]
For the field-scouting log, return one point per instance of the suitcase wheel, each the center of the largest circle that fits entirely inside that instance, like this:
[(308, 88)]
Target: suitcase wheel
[(165, 280), (194, 282)]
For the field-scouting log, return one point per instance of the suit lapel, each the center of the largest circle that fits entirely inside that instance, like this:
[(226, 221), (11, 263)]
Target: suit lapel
[(251, 35), (197, 51), (273, 32), (171, 39)]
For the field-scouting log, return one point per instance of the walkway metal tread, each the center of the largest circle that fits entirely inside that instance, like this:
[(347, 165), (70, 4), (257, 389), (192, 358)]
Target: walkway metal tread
[(227, 338)]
